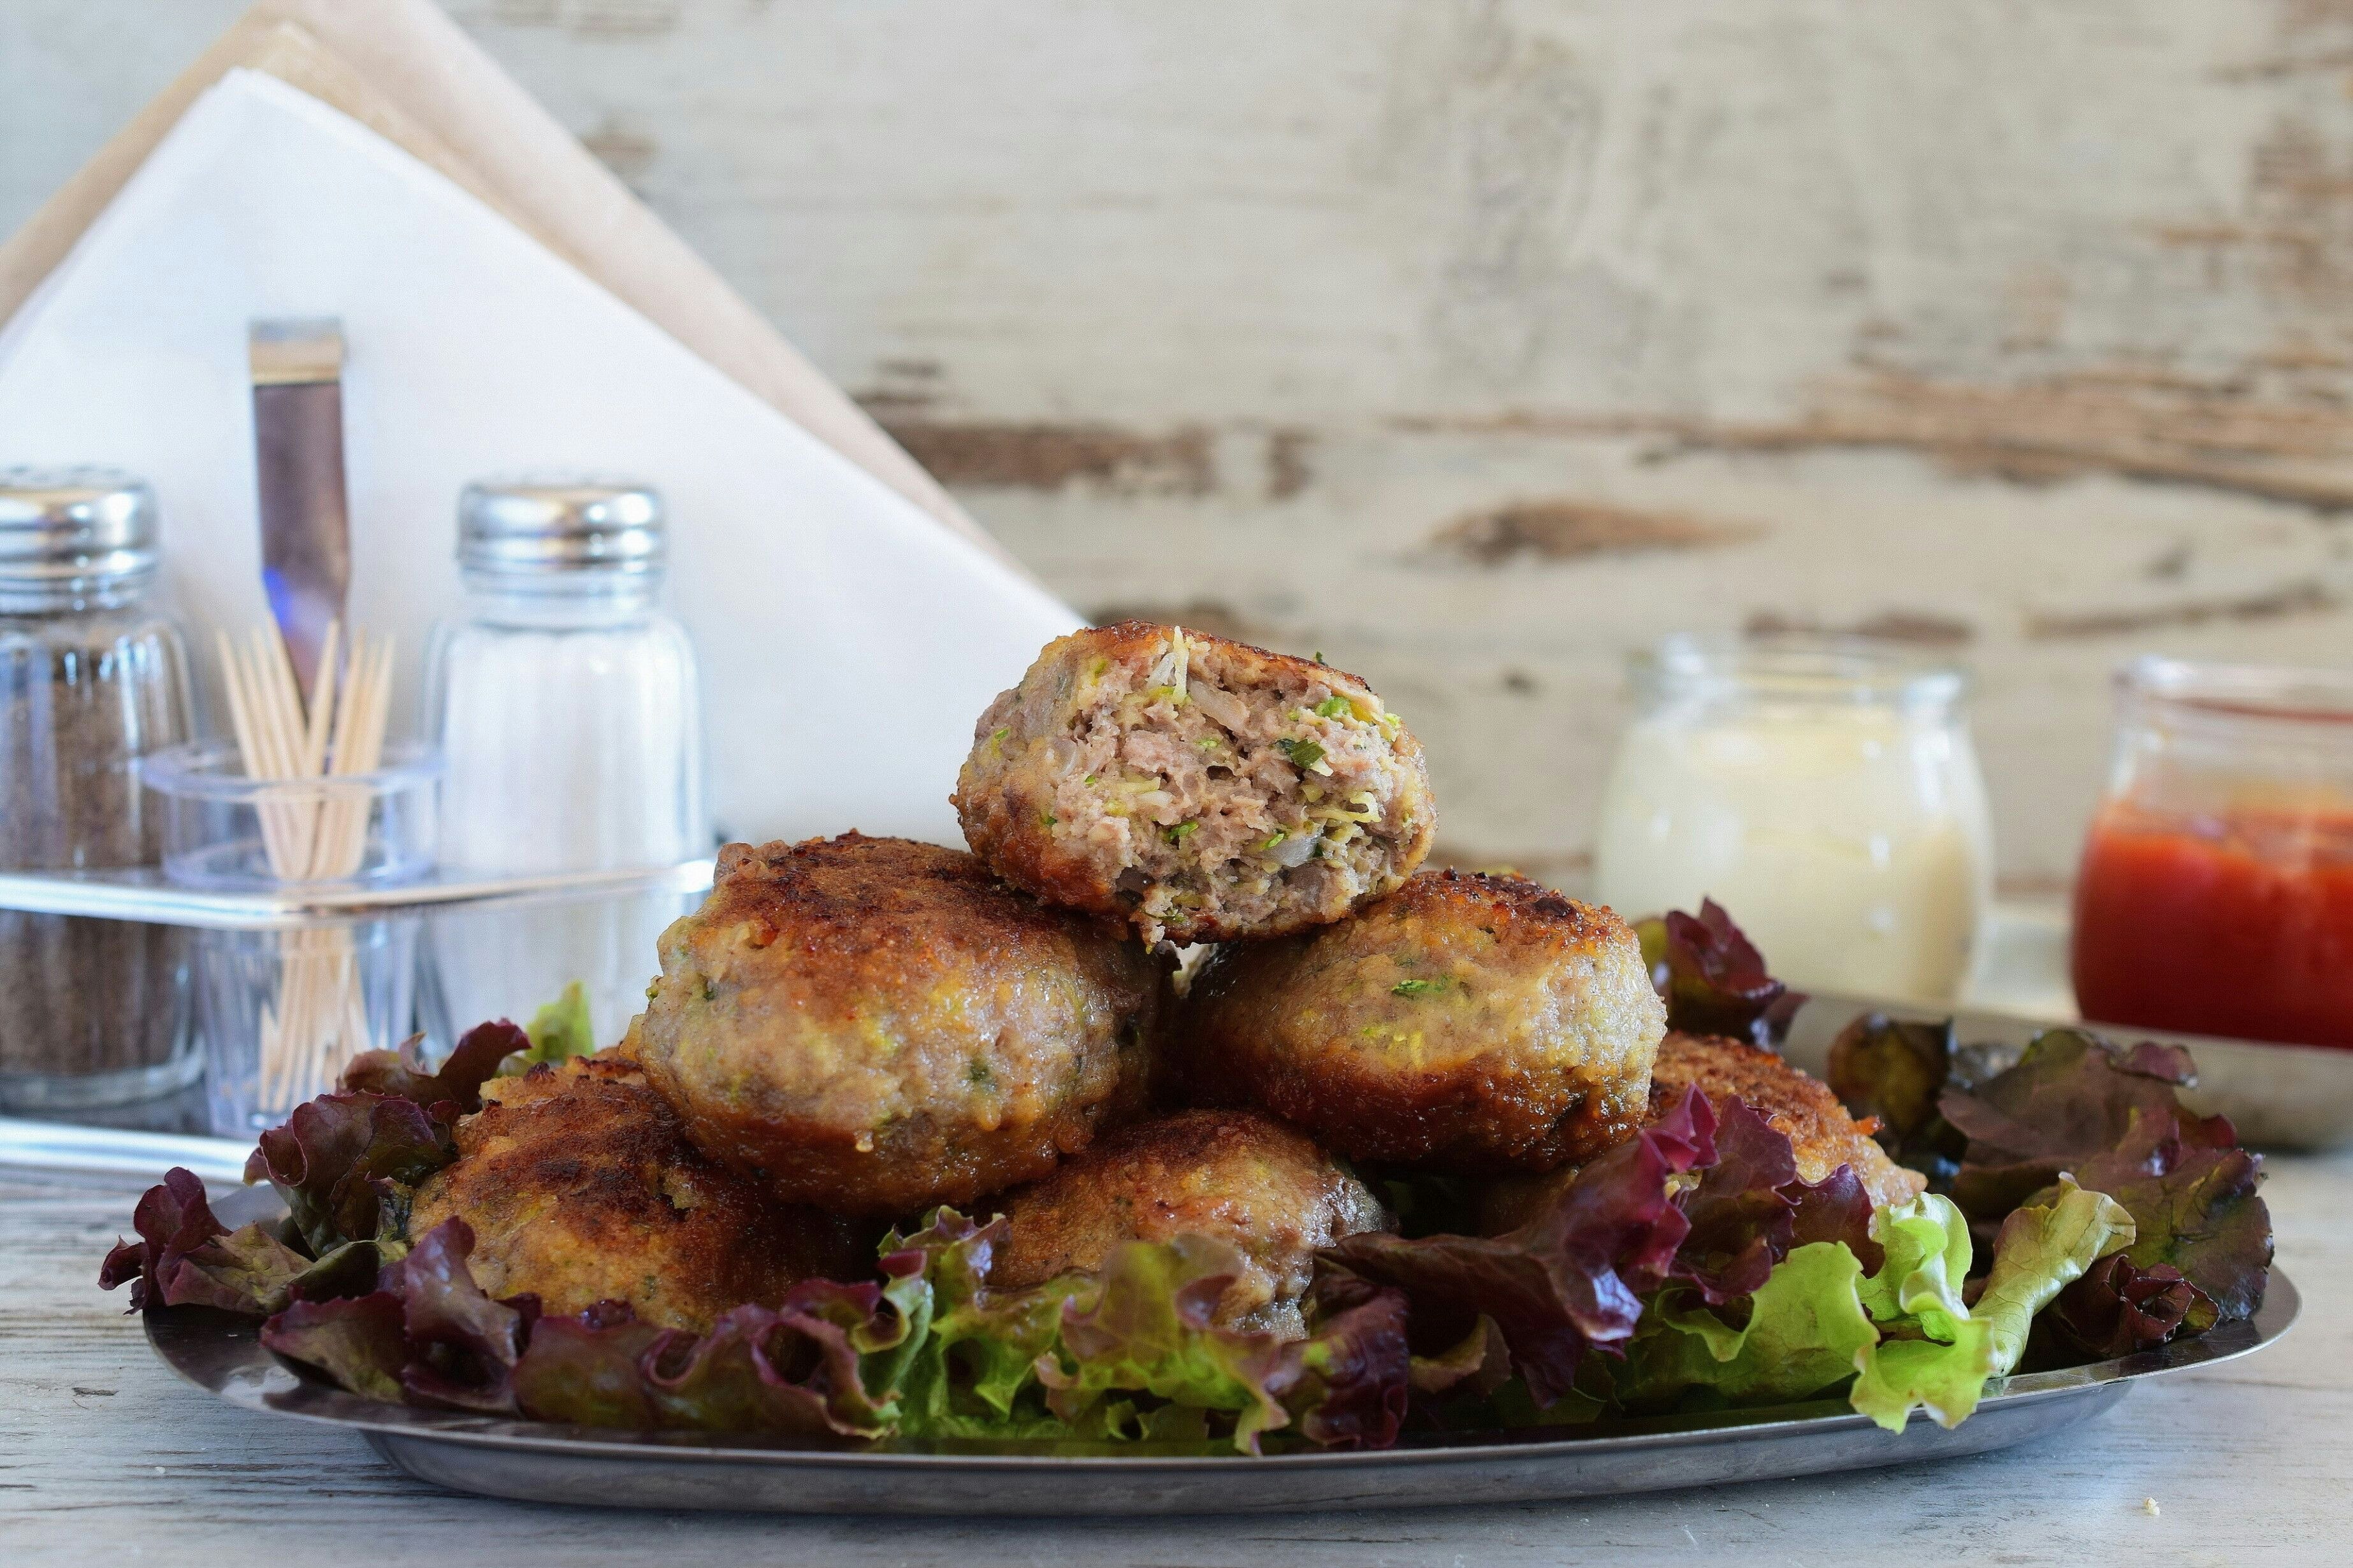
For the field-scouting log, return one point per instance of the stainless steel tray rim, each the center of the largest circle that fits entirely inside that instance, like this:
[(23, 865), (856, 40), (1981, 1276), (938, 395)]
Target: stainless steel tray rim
[(302, 1399)]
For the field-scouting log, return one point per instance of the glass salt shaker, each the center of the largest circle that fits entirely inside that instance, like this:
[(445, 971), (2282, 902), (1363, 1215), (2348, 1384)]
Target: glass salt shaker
[(92, 678), (566, 706)]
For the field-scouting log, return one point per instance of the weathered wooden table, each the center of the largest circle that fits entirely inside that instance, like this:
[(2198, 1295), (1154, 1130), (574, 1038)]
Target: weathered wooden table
[(106, 1456)]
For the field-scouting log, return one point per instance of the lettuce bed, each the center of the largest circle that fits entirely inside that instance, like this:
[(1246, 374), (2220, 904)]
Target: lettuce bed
[(1686, 1269)]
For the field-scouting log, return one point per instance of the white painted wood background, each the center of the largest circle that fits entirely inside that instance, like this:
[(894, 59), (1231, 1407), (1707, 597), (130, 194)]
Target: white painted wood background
[(1473, 341)]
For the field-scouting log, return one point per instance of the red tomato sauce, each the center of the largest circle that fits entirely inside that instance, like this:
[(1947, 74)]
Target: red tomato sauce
[(2238, 925)]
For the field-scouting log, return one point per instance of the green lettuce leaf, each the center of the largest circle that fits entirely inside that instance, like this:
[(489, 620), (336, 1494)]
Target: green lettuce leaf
[(561, 1029), (1936, 1353), (1143, 1326), (1130, 1351), (1928, 1255), (1905, 1333), (2040, 1251), (1806, 1329), (969, 1375)]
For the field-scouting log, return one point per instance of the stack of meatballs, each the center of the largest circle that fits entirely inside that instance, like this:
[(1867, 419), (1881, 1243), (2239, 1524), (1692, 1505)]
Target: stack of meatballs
[(852, 1030)]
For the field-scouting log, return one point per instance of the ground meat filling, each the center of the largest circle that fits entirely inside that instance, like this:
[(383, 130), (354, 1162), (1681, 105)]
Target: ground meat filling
[(1189, 790)]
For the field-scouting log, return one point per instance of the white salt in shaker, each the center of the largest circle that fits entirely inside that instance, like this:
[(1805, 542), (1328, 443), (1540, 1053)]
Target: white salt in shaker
[(566, 706)]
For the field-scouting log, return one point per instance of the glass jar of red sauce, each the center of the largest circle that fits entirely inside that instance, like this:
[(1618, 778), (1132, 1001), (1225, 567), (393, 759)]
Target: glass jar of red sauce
[(2216, 891)]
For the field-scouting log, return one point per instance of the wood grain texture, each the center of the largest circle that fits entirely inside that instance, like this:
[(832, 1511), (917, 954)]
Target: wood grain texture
[(1475, 342), (105, 1456)]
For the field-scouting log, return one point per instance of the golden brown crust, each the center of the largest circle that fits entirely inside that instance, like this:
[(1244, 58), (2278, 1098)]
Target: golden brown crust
[(1802, 1107), (1466, 1023), (1234, 1175), (874, 1025), (1010, 809), (581, 1188)]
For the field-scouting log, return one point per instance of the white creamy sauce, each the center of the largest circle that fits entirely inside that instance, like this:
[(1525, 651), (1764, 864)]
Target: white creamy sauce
[(1850, 842)]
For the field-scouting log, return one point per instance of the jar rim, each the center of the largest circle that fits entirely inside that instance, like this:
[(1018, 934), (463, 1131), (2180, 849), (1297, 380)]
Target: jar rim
[(2315, 698), (1797, 666)]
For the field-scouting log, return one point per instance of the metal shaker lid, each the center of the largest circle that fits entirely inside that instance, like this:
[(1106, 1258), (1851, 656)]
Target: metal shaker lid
[(61, 527), (534, 525)]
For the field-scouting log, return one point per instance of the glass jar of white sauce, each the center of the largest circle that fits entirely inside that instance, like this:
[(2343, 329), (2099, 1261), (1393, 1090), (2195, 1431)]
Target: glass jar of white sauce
[(1824, 790)]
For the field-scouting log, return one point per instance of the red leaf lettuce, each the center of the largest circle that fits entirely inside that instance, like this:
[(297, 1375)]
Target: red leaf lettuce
[(2114, 1121), (1713, 978)]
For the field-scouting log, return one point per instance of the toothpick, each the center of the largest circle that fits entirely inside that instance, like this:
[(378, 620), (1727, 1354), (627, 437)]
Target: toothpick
[(318, 1016)]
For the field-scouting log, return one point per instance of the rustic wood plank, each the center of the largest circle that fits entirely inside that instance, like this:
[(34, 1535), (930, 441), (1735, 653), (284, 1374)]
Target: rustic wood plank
[(1475, 342), (104, 1455)]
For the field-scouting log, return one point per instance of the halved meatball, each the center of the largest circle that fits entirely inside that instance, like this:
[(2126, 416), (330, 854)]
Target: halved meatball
[(1234, 1175), (1820, 1132), (1467, 1024), (875, 1024), (581, 1188), (1204, 789)]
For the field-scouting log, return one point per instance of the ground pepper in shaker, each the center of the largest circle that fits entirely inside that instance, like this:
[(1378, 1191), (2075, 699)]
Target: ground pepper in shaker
[(93, 1013)]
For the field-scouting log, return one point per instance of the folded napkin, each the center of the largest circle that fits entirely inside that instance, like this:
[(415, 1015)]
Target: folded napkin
[(850, 621)]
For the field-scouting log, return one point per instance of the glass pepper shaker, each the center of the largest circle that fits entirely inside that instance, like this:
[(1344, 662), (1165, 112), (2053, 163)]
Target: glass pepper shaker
[(92, 678), (566, 708)]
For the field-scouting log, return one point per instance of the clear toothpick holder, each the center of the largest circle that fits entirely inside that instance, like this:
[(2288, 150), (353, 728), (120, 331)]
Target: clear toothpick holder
[(250, 935), (282, 1011)]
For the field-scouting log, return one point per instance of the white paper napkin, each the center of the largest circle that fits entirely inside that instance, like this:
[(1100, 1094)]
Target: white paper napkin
[(847, 638)]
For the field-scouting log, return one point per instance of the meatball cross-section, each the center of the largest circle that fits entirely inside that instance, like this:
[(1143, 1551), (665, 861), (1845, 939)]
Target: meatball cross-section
[(1204, 789)]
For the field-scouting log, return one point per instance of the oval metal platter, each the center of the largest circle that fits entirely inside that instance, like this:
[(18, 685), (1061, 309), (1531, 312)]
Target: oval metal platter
[(546, 1463)]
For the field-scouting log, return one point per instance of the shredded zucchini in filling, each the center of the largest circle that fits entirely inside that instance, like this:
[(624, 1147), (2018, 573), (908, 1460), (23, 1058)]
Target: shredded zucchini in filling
[(1175, 665), (1226, 792)]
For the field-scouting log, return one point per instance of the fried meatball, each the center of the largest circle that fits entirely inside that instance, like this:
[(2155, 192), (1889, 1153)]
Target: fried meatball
[(1466, 1024), (1822, 1134), (1204, 789), (874, 1025), (581, 1188), (1234, 1175)]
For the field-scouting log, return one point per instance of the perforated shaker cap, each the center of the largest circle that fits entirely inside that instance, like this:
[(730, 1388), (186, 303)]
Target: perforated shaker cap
[(523, 526), (61, 529)]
